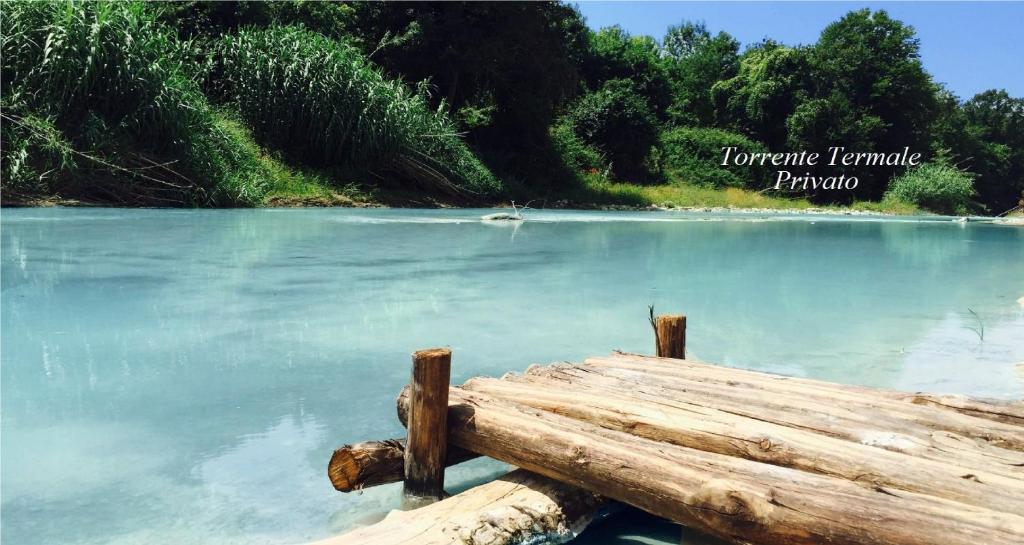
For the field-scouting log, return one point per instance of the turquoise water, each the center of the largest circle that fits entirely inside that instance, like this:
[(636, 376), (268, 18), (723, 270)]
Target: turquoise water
[(183, 376)]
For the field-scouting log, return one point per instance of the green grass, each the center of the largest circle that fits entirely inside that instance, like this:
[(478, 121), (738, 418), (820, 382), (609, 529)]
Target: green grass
[(888, 206), (291, 186), (599, 192)]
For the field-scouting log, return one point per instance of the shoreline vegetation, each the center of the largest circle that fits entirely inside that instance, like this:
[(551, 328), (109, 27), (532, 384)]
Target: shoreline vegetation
[(252, 104), (297, 191)]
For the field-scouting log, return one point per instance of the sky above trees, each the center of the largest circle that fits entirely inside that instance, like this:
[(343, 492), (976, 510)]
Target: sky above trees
[(969, 46)]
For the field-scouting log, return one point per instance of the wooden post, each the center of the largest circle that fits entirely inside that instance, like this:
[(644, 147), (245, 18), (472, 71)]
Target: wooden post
[(428, 427), (670, 336)]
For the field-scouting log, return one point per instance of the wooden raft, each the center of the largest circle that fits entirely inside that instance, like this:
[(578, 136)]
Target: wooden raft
[(752, 457)]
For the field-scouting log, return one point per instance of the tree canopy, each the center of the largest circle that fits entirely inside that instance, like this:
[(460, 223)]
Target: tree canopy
[(525, 91)]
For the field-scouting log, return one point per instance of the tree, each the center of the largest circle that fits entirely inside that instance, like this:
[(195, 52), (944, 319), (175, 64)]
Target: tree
[(204, 19), (695, 62), (772, 79), (503, 68), (614, 54), (986, 136), (869, 93), (617, 120)]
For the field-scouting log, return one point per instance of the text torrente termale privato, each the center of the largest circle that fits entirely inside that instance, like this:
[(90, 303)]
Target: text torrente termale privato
[(836, 156)]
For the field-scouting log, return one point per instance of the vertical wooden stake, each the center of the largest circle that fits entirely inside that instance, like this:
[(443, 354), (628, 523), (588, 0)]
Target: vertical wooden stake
[(427, 445), (670, 336)]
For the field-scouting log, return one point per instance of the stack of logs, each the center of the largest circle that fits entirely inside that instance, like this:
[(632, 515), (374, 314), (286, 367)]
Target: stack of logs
[(745, 456)]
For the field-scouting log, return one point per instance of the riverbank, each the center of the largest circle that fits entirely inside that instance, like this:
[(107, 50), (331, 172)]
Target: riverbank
[(297, 190), (681, 196)]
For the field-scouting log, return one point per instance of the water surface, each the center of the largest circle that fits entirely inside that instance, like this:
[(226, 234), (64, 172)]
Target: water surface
[(183, 376)]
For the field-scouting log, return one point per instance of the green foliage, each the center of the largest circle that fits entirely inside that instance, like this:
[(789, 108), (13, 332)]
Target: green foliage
[(614, 54), (770, 82), (995, 121), (936, 186), (106, 84), (322, 102), (514, 61), (577, 155), (34, 153), (108, 101), (696, 60), (870, 93), (694, 155), (616, 120), (502, 70), (211, 19), (985, 135)]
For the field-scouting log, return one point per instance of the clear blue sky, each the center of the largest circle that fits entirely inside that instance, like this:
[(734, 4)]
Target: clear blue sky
[(969, 46)]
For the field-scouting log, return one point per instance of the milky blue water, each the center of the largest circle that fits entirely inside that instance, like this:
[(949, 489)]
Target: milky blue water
[(183, 376)]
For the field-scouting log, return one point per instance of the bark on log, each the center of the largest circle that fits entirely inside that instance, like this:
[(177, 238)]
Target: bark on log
[(373, 463), (711, 430), (729, 497), (518, 508)]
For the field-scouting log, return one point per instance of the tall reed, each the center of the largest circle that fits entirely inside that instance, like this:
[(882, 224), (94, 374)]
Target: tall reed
[(110, 68), (324, 102)]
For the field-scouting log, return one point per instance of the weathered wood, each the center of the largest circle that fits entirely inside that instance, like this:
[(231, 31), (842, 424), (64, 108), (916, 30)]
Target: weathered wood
[(1011, 413), (373, 463), (863, 426), (518, 508), (727, 496), (670, 336), (427, 445), (1000, 410), (677, 422), (834, 397)]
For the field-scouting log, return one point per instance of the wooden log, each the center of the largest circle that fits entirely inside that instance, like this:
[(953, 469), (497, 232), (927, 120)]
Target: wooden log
[(721, 432), (519, 508), (732, 498), (820, 416), (1009, 412), (372, 463), (670, 336), (674, 372), (1003, 411), (427, 447)]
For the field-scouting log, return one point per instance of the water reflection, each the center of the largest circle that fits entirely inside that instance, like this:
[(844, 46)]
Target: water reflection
[(182, 376)]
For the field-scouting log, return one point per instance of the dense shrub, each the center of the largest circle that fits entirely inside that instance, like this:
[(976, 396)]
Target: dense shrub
[(613, 54), (618, 122), (321, 101), (694, 155), (936, 186), (576, 154), (103, 86)]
